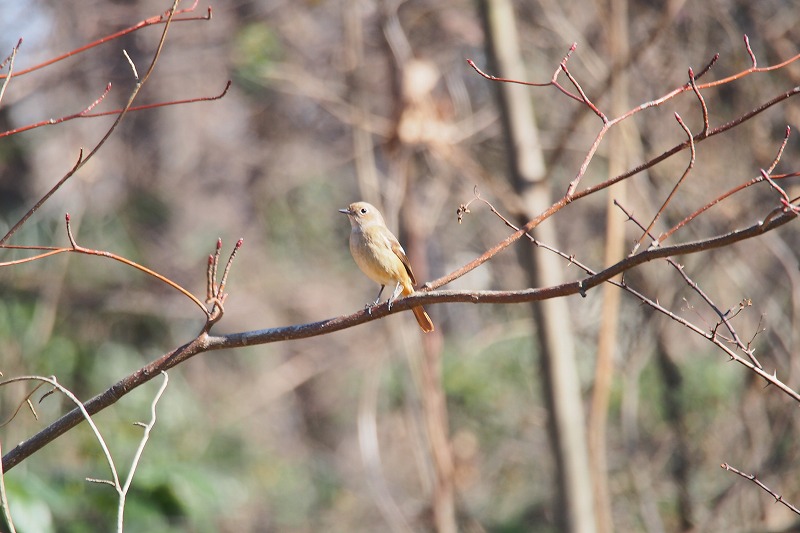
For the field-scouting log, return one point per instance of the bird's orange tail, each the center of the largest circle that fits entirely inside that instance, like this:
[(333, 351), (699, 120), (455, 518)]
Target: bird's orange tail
[(423, 319)]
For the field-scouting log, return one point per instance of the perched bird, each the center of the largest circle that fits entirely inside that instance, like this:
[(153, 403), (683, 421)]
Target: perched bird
[(379, 255)]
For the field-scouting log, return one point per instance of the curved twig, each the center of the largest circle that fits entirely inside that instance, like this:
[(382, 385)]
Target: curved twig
[(76, 248)]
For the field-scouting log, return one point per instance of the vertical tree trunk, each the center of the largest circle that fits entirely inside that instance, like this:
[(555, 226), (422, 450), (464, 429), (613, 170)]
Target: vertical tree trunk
[(618, 152), (575, 511), (402, 171)]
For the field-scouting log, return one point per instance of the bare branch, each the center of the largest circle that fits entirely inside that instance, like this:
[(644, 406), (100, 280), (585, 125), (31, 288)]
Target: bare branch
[(86, 113), (703, 107), (674, 190), (754, 479), (80, 410), (553, 81), (131, 63), (10, 61), (169, 16), (7, 522), (76, 248), (165, 18), (205, 342), (122, 490)]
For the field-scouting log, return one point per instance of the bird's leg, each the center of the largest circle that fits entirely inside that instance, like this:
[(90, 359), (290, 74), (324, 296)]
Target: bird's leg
[(369, 306), (395, 294), (378, 299)]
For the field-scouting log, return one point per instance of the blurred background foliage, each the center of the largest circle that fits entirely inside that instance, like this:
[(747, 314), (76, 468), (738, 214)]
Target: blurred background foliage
[(266, 438)]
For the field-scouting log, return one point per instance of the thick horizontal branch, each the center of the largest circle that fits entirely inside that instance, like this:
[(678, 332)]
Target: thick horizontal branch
[(109, 397), (206, 342)]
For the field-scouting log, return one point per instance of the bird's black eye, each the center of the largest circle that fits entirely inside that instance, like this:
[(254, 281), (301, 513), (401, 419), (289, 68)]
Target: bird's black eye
[(363, 210)]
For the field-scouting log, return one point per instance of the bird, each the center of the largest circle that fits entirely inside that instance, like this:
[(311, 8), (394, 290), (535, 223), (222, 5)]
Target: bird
[(379, 255)]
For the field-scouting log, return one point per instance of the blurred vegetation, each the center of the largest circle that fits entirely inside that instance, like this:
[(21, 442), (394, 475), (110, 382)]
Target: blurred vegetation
[(266, 438)]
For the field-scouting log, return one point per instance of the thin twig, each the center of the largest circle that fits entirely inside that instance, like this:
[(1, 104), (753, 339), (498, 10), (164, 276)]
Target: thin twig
[(164, 18), (11, 55), (80, 409), (584, 98), (553, 81), (738, 188), (228, 265), (87, 114), (750, 52), (215, 262), (703, 106), (754, 479), (607, 123), (131, 63), (682, 146), (10, 60), (689, 167), (123, 490), (724, 318), (102, 253), (25, 401), (108, 134), (785, 200), (6, 511)]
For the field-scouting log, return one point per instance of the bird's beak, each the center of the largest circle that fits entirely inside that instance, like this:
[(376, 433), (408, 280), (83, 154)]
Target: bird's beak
[(346, 211)]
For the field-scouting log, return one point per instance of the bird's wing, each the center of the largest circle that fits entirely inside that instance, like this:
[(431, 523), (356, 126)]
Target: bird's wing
[(399, 252)]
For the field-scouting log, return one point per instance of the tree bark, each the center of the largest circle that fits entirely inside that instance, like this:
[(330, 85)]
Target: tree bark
[(574, 507)]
